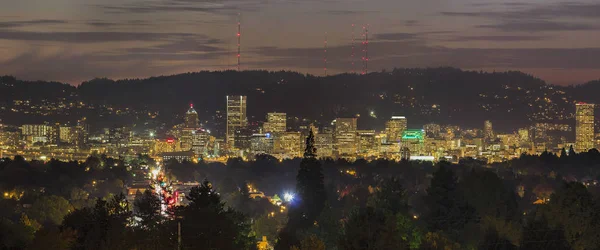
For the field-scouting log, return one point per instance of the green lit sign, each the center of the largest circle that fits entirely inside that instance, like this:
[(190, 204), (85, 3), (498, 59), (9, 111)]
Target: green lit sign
[(413, 134)]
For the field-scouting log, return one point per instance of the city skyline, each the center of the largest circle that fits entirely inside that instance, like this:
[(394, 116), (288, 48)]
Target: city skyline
[(553, 40)]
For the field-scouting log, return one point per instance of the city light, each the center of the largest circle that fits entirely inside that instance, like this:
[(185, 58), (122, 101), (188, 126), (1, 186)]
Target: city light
[(289, 197)]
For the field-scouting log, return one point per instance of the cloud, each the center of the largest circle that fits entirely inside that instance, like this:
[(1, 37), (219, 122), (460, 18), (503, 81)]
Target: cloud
[(538, 17), (396, 36), (91, 37), (508, 38), (538, 26), (389, 54), (15, 24), (103, 24)]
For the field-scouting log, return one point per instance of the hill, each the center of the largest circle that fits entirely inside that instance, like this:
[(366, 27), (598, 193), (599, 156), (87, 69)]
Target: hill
[(442, 95)]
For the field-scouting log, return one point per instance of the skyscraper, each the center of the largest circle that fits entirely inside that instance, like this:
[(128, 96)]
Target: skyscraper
[(584, 127), (236, 116), (394, 128), (276, 123), (191, 118), (488, 131), (345, 136)]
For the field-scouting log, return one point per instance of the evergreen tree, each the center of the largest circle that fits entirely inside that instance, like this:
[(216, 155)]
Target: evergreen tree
[(447, 210), (311, 197), (205, 222), (147, 208)]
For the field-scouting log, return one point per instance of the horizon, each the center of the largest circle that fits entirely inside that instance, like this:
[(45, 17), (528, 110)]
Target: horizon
[(73, 42), (291, 71)]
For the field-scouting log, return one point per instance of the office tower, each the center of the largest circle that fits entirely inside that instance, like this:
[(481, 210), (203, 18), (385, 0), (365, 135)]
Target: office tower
[(242, 138), (288, 145), (432, 130), (36, 130), (413, 140), (191, 118), (236, 117), (366, 142), (276, 123), (584, 127), (345, 136), (394, 128), (80, 133), (324, 144), (488, 131), (165, 145), (524, 135), (261, 144), (200, 139)]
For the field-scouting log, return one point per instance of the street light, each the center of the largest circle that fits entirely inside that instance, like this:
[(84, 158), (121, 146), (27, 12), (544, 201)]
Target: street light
[(288, 197)]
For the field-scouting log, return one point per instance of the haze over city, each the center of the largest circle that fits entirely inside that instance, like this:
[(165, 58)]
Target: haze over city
[(73, 42)]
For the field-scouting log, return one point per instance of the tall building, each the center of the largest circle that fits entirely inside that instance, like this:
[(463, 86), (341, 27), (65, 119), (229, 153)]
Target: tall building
[(276, 123), (261, 144), (366, 142), (432, 130), (324, 145), (488, 131), (36, 130), (191, 118), (288, 145), (413, 140), (394, 128), (236, 116), (584, 127), (345, 136)]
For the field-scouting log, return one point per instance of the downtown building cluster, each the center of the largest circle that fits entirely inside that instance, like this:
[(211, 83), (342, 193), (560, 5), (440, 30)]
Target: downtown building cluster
[(340, 138)]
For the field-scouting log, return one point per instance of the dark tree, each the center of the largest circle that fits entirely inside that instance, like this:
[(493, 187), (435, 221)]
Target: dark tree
[(447, 210), (147, 208), (205, 222), (371, 229), (391, 197), (311, 196)]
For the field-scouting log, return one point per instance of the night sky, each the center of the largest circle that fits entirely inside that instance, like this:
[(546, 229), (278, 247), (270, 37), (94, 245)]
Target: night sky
[(77, 40)]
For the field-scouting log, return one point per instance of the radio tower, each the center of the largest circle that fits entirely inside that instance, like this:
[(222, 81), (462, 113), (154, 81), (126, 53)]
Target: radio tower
[(366, 50), (325, 54), (352, 55), (239, 36)]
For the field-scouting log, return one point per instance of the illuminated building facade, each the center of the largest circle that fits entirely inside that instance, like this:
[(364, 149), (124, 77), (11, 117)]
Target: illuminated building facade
[(165, 146), (191, 118), (33, 133), (488, 131), (367, 144), (584, 127), (288, 145), (394, 128), (276, 123), (261, 144), (324, 144), (432, 130), (345, 136), (200, 140), (413, 140), (236, 117)]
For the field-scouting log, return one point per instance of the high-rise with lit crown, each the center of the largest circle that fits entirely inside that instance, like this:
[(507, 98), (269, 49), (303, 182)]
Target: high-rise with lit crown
[(276, 123), (236, 116), (488, 131), (394, 128), (191, 118), (584, 127)]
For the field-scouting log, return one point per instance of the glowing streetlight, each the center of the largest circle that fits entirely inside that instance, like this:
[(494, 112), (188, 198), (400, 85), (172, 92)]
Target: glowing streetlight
[(289, 197)]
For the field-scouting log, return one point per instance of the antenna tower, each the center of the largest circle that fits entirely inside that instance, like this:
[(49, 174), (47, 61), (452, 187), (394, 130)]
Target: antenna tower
[(366, 50), (352, 54), (325, 54), (239, 36)]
